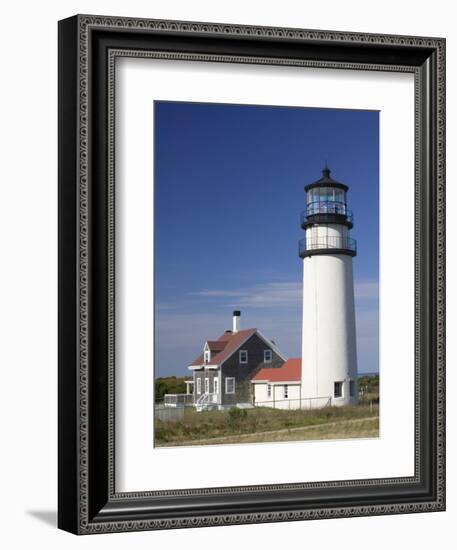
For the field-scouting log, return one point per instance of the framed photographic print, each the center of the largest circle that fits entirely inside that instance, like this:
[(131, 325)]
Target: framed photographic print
[(251, 274)]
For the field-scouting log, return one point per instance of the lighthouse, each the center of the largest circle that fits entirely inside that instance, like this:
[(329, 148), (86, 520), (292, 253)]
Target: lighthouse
[(329, 354)]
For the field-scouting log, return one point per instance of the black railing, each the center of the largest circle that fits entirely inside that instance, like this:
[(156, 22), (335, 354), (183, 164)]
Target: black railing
[(310, 244), (323, 208)]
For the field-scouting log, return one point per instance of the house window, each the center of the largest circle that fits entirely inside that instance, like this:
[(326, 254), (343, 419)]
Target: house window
[(207, 355), (199, 385), (216, 385), (230, 385), (338, 389), (351, 388), (243, 357), (206, 385), (267, 356), (269, 390), (286, 391)]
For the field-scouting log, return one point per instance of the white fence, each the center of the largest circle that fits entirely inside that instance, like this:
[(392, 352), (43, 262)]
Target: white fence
[(303, 403)]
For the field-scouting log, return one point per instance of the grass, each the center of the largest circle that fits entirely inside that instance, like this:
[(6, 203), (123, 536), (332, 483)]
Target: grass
[(263, 424), (343, 429)]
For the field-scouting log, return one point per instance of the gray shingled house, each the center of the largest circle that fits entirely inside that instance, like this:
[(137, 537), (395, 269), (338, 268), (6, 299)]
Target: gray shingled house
[(222, 373)]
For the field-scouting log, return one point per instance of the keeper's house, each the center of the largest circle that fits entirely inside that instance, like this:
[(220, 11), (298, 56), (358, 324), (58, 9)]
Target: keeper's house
[(280, 388), (222, 374)]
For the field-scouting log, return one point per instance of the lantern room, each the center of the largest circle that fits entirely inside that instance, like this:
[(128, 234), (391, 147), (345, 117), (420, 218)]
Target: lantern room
[(326, 202), (327, 219)]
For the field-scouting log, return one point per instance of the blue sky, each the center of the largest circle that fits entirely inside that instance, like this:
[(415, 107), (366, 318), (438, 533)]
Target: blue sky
[(228, 195)]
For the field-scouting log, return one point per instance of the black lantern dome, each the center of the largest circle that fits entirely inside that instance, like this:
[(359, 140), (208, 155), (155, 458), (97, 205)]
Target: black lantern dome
[(326, 181)]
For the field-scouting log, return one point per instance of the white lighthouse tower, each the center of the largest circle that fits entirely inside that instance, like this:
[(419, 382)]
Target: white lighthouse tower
[(329, 355)]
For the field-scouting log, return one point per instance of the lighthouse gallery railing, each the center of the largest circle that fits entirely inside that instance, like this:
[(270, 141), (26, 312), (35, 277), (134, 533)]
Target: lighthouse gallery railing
[(326, 243)]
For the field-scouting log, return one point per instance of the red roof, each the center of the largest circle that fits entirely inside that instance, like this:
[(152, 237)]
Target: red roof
[(231, 341), (289, 372), (216, 345)]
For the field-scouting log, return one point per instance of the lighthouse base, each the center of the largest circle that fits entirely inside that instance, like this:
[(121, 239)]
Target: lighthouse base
[(329, 356)]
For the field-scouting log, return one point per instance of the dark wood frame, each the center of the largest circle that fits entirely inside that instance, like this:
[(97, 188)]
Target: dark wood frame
[(88, 502)]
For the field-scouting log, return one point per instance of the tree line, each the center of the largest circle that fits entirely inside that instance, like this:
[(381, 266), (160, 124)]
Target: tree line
[(169, 384)]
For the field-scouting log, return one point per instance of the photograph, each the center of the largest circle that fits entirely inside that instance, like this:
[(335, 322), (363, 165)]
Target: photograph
[(266, 274)]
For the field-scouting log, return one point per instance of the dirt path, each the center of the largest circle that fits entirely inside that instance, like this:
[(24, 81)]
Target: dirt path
[(274, 434)]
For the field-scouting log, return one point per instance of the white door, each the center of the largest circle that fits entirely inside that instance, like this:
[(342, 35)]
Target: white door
[(215, 389)]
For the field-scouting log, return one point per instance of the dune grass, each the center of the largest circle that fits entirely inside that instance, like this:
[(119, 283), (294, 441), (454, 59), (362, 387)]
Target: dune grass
[(343, 429), (265, 424)]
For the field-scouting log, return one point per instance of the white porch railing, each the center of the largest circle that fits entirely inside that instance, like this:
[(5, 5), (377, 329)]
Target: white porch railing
[(178, 399), (206, 400)]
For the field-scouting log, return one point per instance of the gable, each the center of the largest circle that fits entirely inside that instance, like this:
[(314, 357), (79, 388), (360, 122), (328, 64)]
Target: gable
[(227, 344), (233, 345)]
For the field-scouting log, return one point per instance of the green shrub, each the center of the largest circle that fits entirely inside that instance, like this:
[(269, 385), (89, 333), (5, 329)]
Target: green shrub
[(236, 417)]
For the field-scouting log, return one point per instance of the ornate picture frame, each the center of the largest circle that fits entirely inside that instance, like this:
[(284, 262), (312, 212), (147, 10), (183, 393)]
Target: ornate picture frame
[(88, 48)]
